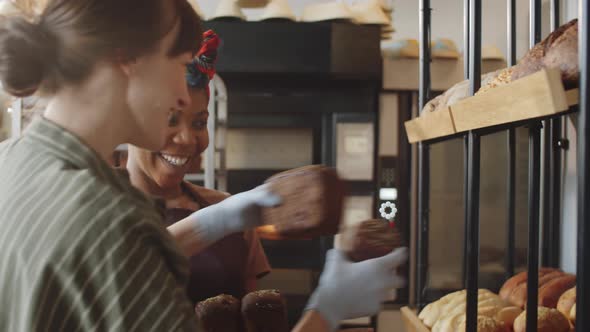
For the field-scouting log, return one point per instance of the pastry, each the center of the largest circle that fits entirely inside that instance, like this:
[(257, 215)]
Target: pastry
[(550, 292), (566, 301), (518, 297), (518, 279)]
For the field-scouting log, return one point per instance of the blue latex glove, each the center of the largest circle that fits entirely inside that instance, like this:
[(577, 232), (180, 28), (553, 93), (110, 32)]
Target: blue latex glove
[(236, 213), (351, 290)]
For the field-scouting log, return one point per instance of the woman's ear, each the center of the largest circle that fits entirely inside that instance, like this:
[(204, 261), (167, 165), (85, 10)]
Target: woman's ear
[(126, 62)]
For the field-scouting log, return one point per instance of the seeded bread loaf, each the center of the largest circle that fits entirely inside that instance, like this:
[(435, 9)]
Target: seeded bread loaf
[(264, 311), (313, 198), (370, 239), (548, 320), (219, 314)]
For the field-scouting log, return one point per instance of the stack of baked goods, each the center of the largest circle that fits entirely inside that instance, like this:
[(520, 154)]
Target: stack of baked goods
[(313, 198), (559, 50), (552, 284), (259, 311), (448, 313)]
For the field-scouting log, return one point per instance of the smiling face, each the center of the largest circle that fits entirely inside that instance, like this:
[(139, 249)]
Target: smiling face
[(186, 138), (156, 86)]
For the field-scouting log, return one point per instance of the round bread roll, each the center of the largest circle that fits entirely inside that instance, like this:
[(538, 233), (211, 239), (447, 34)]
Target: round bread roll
[(508, 315), (548, 320), (485, 324), (265, 311), (572, 314), (567, 301), (220, 313)]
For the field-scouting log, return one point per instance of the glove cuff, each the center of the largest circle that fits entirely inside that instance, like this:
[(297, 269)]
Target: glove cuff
[(319, 303)]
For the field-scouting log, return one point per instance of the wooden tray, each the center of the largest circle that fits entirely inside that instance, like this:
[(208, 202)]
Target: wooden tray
[(535, 96), (411, 321), (430, 125)]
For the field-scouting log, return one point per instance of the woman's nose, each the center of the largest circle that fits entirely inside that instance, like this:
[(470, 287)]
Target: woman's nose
[(185, 137)]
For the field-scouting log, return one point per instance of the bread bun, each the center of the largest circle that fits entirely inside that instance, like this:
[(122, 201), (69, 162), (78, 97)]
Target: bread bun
[(485, 324), (220, 313), (548, 320)]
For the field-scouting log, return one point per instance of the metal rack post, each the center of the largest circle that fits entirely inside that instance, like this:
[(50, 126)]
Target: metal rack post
[(583, 259), (552, 175), (473, 169), (423, 157), (511, 181), (534, 186)]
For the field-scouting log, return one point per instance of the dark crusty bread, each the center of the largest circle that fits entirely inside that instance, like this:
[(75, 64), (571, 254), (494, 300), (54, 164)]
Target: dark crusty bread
[(518, 279), (264, 311), (550, 292), (559, 50), (219, 314), (518, 297), (370, 239), (313, 198)]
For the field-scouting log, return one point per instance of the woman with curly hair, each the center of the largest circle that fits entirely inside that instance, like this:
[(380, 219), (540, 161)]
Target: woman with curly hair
[(232, 264)]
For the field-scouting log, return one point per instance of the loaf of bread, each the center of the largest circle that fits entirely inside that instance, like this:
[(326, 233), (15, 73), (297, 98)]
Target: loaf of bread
[(447, 313), (548, 320), (550, 293), (265, 311), (370, 239), (508, 315), (559, 50), (312, 204), (518, 297), (517, 280), (567, 301), (219, 314)]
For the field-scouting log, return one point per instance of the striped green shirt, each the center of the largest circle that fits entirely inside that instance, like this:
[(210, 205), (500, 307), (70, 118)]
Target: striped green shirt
[(80, 248)]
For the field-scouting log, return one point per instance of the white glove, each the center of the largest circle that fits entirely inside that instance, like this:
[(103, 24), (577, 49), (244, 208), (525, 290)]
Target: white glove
[(236, 213), (351, 290)]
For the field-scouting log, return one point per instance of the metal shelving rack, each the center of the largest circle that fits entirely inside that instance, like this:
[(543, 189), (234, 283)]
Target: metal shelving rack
[(551, 171)]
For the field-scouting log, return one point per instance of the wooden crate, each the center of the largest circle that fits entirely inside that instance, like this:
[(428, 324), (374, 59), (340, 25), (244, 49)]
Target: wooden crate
[(411, 321), (534, 96), (430, 125)]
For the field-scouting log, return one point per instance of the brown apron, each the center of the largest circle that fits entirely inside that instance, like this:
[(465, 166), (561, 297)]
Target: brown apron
[(219, 269)]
